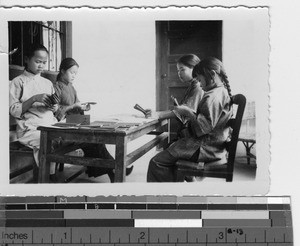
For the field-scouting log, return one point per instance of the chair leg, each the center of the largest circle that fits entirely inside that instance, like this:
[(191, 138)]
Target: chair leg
[(61, 167), (229, 178), (248, 153), (35, 172)]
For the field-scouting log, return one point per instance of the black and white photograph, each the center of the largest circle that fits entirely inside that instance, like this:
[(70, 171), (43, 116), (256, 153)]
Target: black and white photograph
[(155, 106), (173, 96)]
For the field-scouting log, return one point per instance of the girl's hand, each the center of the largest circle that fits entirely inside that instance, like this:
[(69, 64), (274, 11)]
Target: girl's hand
[(43, 98), (76, 105), (184, 111), (54, 98), (85, 107), (54, 108), (151, 114)]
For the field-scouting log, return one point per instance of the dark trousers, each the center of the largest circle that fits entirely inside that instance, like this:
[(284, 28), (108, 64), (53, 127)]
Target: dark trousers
[(162, 167), (98, 151)]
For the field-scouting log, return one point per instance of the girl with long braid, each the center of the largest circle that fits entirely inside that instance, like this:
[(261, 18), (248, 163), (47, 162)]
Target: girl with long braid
[(208, 125)]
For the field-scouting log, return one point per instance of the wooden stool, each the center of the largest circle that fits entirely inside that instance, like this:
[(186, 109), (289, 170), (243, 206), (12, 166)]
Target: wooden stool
[(248, 143)]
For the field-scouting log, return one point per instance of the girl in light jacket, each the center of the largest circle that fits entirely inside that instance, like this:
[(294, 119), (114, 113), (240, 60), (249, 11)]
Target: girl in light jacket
[(208, 124)]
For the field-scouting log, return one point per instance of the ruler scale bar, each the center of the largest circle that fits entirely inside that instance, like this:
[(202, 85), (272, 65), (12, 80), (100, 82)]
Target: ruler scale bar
[(164, 235), (148, 220)]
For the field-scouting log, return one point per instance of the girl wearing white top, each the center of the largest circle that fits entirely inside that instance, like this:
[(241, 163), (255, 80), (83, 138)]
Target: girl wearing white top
[(32, 100)]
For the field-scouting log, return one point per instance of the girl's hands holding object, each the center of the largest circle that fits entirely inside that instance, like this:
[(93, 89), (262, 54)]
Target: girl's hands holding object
[(151, 114), (76, 105), (184, 111), (86, 106), (54, 108), (43, 98), (54, 98)]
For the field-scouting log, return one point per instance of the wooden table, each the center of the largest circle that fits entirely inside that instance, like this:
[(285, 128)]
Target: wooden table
[(118, 137)]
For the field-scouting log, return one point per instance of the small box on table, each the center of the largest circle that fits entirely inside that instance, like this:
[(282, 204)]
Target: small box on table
[(78, 118)]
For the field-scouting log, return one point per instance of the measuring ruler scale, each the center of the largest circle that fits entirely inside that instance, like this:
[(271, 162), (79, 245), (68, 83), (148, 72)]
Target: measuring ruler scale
[(146, 220)]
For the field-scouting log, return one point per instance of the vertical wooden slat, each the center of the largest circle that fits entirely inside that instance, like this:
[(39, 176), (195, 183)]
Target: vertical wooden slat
[(31, 32), (161, 66), (10, 26), (62, 39), (49, 50), (121, 153), (22, 46), (68, 39), (56, 35)]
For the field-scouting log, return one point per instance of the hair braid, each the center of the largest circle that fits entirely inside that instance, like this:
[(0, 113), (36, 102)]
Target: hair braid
[(212, 64), (226, 82)]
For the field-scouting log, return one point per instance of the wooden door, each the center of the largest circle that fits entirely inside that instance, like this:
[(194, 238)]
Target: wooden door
[(174, 39)]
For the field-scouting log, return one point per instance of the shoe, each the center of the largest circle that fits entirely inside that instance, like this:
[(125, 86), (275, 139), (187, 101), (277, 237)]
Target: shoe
[(189, 179), (129, 170), (53, 178), (111, 174)]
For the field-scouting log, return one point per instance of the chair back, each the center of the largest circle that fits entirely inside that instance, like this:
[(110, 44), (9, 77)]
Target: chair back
[(235, 124)]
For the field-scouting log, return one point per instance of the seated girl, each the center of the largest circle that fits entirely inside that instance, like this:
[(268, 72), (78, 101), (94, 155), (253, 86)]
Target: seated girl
[(194, 93), (68, 100), (32, 100), (70, 104), (208, 124)]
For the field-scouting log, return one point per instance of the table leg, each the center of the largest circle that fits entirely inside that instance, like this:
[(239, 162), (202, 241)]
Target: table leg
[(248, 147), (248, 153), (44, 165), (121, 153)]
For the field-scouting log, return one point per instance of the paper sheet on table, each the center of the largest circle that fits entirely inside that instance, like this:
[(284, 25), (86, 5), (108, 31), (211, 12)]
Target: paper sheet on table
[(125, 118)]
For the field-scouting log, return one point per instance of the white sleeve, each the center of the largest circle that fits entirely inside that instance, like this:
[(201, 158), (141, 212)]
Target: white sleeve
[(15, 93)]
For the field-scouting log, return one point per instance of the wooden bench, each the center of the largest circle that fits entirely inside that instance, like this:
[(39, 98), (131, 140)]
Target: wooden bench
[(23, 168)]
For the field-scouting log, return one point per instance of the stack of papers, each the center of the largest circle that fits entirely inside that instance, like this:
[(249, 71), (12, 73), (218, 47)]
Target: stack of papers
[(112, 122), (130, 119)]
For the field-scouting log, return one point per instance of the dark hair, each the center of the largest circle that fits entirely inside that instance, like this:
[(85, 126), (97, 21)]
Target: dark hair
[(32, 49), (189, 60), (65, 65), (212, 64)]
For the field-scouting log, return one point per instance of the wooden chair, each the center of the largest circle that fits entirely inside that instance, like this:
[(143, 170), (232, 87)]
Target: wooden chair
[(212, 169), (23, 168)]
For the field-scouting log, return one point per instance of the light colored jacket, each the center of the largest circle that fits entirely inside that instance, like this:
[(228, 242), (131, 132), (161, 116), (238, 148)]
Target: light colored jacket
[(209, 130)]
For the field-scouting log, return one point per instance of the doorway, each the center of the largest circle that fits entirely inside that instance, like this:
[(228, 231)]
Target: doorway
[(174, 39)]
